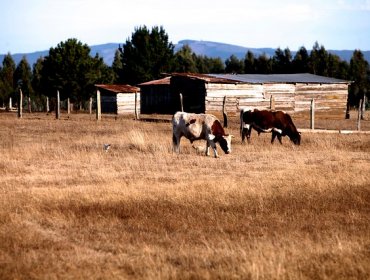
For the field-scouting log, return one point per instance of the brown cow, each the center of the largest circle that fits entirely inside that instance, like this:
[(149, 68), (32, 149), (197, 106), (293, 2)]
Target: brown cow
[(200, 127), (277, 122)]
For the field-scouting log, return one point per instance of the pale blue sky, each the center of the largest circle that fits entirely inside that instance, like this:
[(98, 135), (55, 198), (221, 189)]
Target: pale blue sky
[(33, 25)]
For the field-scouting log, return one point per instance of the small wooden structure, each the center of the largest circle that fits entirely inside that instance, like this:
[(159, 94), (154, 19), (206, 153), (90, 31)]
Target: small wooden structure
[(119, 99), (155, 97), (290, 92)]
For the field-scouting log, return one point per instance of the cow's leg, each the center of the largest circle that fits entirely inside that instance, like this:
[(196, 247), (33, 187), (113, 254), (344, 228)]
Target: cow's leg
[(176, 143), (207, 148), (276, 132), (243, 133), (213, 145), (279, 138), (246, 131), (249, 135), (273, 137)]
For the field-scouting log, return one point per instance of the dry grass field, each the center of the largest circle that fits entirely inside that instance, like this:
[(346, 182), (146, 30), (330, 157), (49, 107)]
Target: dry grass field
[(69, 210)]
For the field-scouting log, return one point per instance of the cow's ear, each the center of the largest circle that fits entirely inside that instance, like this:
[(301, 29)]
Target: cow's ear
[(211, 137)]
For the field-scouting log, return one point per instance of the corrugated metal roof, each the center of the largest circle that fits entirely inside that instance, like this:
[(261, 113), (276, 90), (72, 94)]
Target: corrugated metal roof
[(279, 78), (119, 88), (164, 81)]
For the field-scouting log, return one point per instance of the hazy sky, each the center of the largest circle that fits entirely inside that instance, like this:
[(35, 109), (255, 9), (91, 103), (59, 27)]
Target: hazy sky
[(33, 25)]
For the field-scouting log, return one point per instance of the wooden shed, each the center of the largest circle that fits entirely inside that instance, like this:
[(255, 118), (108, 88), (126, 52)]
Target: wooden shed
[(291, 92), (155, 97), (119, 99)]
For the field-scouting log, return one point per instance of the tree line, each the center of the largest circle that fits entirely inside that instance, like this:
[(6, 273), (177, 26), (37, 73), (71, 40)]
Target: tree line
[(148, 54)]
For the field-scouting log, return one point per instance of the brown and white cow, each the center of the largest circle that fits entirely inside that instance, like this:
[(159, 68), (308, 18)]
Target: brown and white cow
[(277, 122), (200, 127)]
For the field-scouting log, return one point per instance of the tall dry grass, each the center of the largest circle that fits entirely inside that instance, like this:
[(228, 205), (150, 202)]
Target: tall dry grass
[(70, 210)]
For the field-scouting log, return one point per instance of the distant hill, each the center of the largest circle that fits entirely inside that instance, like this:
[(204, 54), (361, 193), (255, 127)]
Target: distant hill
[(210, 49), (106, 51), (222, 50)]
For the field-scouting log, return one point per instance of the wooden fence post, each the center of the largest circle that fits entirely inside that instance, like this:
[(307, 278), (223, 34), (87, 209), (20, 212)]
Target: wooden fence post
[(98, 106), (90, 105), (312, 114), (347, 116), (57, 109), (136, 109), (29, 104), (181, 103), (359, 115), (20, 109), (224, 111), (272, 102), (68, 106), (47, 104), (363, 105)]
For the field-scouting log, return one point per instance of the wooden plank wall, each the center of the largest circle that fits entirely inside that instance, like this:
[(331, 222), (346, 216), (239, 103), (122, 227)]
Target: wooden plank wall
[(124, 103), (283, 95), (288, 97), (328, 97), (238, 96)]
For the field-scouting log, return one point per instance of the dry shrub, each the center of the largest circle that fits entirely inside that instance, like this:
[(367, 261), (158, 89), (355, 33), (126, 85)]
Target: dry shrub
[(142, 142)]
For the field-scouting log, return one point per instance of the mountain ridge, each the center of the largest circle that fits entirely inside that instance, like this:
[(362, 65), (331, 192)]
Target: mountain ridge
[(206, 48)]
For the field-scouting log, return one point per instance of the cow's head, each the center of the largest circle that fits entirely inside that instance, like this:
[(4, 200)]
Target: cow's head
[(225, 143), (296, 138)]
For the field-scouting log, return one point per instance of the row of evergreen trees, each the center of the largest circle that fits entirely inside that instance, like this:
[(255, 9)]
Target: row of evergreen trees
[(148, 54)]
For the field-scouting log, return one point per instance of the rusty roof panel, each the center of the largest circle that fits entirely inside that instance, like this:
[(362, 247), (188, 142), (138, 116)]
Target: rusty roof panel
[(164, 81), (207, 78), (119, 88)]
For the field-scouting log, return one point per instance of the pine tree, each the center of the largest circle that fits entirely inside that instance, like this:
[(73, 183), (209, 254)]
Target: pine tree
[(234, 65), (8, 86), (359, 73), (264, 64), (301, 61), (146, 55), (336, 67), (185, 60), (117, 66), (70, 69), (206, 65), (215, 65), (319, 60), (36, 77), (23, 76), (250, 63), (281, 61)]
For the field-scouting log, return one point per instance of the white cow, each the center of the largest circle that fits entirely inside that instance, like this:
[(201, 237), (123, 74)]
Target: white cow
[(200, 127)]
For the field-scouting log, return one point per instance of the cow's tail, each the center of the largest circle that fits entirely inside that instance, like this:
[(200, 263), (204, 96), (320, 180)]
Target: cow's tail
[(241, 122), (225, 119)]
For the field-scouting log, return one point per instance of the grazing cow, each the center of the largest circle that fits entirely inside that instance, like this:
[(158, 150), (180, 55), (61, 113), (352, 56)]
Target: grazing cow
[(200, 127), (277, 122)]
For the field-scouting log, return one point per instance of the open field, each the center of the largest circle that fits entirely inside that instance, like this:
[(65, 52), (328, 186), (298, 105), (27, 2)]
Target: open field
[(69, 210)]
